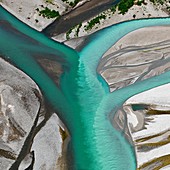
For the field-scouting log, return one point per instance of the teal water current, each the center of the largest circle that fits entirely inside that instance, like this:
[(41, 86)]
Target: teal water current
[(82, 100)]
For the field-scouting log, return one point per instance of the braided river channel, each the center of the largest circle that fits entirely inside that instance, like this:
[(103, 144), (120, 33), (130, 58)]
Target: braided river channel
[(82, 99)]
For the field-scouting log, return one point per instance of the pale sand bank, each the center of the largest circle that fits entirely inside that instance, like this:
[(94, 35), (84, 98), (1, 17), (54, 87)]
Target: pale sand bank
[(155, 99), (26, 11), (142, 37), (137, 56), (144, 11)]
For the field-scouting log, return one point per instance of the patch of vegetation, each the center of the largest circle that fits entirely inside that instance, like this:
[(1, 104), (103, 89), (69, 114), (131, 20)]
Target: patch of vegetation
[(158, 1), (168, 8), (77, 29), (49, 1), (124, 6), (69, 32), (94, 21), (72, 3), (140, 2), (48, 13), (113, 9)]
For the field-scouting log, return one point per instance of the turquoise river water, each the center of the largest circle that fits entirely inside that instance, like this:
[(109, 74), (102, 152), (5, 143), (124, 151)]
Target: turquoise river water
[(83, 100)]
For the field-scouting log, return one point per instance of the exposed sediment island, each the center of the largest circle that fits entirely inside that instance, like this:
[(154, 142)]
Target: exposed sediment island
[(148, 116), (24, 140), (143, 118)]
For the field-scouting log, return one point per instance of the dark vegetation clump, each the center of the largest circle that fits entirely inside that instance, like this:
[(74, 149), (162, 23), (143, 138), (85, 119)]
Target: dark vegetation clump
[(94, 21), (72, 4), (76, 31), (140, 2), (48, 13), (124, 6), (158, 1)]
